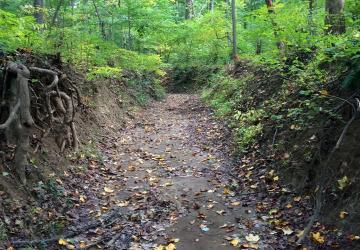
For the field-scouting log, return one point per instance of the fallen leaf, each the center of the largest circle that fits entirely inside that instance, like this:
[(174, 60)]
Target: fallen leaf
[(108, 190), (235, 203), (226, 190), (131, 168), (82, 244), (171, 246), (343, 182), (160, 247), (297, 199), (251, 246), (318, 238), (354, 237), (210, 206), (62, 242), (123, 203), (70, 247), (252, 238), (82, 199), (343, 215), (220, 212), (287, 231), (235, 242)]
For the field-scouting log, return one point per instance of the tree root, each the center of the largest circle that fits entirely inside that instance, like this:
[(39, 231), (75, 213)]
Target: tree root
[(53, 104)]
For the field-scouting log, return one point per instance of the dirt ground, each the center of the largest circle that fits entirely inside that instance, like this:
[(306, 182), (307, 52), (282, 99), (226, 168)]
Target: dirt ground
[(168, 180), (166, 175)]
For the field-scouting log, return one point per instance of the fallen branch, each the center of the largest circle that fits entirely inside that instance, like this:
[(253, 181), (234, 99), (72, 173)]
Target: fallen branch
[(105, 219)]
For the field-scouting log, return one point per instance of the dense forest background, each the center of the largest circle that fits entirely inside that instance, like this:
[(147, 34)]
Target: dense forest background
[(150, 34), (283, 75)]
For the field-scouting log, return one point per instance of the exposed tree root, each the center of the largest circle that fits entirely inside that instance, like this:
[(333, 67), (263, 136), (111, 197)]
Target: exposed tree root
[(53, 107)]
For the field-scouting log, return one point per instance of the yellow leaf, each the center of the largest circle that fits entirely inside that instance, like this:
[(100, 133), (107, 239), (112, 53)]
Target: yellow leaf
[(174, 240), (226, 190), (131, 168), (288, 206), (318, 238), (343, 182), (235, 242), (250, 246), (82, 199), (297, 199), (252, 238), (108, 190), (160, 247), (82, 244), (171, 246), (276, 178), (62, 242), (343, 214)]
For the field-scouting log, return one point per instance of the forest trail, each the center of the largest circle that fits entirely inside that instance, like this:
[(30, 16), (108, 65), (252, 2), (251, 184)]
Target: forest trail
[(166, 174)]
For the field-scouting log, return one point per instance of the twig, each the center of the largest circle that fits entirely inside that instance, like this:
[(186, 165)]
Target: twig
[(274, 137)]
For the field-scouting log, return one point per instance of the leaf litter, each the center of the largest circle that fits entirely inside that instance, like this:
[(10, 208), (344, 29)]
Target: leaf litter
[(169, 172)]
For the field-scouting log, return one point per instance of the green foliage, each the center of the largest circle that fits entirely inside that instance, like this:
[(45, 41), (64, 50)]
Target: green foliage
[(17, 32), (104, 72)]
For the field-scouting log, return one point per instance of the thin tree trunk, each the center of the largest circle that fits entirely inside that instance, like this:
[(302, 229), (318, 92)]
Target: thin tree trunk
[(101, 22), (234, 34), (227, 16), (211, 6), (189, 9), (129, 29), (334, 19), (39, 13), (311, 22), (56, 14), (279, 44)]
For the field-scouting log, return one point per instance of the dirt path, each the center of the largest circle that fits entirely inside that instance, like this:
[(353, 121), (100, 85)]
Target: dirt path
[(165, 177)]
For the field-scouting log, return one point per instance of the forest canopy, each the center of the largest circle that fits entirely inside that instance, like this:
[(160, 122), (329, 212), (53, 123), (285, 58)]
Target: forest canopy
[(151, 34)]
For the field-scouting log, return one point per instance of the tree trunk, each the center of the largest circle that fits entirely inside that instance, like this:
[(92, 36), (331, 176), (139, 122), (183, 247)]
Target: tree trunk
[(234, 34), (39, 13), (335, 19), (258, 46), (311, 22), (101, 22), (227, 16), (279, 44), (56, 14), (211, 6), (189, 9)]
